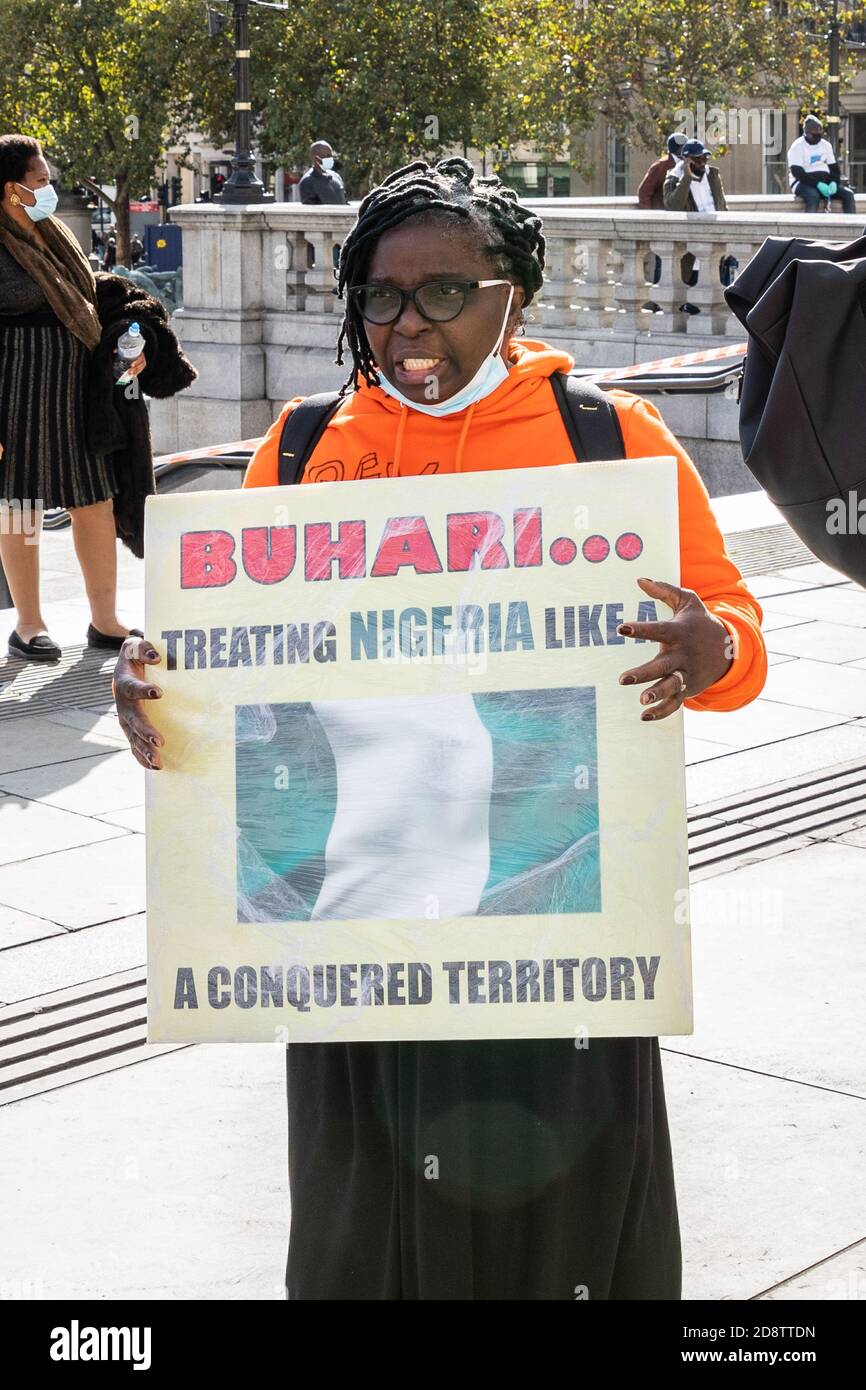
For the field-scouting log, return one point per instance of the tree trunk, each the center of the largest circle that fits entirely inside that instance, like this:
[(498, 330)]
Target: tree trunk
[(121, 218)]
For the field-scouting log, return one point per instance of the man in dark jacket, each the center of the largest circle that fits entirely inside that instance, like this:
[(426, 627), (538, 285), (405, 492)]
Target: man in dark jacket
[(649, 193), (320, 184), (693, 185)]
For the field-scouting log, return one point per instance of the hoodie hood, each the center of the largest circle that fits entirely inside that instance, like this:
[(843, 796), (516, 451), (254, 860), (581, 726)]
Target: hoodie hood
[(530, 364)]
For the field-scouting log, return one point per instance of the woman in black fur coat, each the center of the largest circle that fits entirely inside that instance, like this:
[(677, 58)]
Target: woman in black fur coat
[(118, 426), (69, 436)]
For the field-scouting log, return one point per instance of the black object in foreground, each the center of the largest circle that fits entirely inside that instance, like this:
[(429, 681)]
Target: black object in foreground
[(803, 304)]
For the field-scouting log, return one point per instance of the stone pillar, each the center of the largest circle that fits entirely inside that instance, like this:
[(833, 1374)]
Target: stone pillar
[(72, 210), (220, 328)]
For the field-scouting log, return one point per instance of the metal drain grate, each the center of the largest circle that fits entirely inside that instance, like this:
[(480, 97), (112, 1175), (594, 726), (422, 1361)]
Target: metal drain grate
[(757, 825), (768, 548), (81, 677), (73, 1034)]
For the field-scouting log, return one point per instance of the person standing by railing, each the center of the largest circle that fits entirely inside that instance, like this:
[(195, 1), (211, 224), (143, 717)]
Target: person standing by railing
[(321, 183)]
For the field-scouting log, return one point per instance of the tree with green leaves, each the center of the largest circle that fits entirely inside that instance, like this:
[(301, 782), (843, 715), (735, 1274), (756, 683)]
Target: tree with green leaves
[(389, 82), (665, 56), (94, 81), (380, 81)]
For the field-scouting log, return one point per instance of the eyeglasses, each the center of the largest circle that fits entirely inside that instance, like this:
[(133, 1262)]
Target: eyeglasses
[(438, 302)]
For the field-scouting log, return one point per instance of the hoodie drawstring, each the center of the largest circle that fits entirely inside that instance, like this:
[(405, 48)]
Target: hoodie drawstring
[(401, 427), (458, 462), (398, 442)]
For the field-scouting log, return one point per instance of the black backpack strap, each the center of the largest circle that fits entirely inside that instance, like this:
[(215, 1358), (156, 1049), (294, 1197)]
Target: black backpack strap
[(589, 417), (302, 430)]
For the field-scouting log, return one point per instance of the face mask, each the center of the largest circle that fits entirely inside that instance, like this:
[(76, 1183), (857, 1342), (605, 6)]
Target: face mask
[(812, 137), (490, 374), (46, 202), (327, 161)]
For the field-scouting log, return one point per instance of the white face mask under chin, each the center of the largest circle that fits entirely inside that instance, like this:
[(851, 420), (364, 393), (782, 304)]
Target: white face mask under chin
[(492, 372)]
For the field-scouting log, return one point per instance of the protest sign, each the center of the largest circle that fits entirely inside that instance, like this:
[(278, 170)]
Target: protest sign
[(404, 795)]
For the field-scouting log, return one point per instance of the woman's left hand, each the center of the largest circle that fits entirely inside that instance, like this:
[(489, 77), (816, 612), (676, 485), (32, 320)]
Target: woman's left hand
[(696, 649)]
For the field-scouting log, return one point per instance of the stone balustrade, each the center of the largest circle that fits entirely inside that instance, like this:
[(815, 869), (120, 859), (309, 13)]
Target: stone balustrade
[(260, 317)]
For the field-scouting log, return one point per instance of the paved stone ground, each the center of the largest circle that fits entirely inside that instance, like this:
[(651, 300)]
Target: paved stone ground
[(165, 1176)]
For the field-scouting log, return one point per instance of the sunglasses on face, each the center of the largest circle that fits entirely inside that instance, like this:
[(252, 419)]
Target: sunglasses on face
[(438, 302)]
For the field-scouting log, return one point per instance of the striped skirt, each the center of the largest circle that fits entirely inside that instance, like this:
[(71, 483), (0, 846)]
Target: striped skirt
[(46, 460)]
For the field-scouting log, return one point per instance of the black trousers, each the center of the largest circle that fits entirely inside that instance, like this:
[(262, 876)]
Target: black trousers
[(480, 1170)]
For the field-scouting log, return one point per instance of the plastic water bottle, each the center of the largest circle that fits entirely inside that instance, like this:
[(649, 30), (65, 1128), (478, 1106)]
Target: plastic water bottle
[(130, 345)]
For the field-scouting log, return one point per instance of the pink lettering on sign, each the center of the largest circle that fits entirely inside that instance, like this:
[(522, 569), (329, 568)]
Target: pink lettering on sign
[(406, 540), (476, 533), (527, 537), (268, 552), (206, 559), (349, 550)]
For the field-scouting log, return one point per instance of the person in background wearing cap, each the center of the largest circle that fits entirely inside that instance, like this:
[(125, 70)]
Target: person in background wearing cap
[(320, 184), (649, 193), (814, 169), (692, 185)]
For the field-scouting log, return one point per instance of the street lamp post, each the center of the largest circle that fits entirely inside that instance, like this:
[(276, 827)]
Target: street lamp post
[(243, 186), (833, 36), (833, 118)]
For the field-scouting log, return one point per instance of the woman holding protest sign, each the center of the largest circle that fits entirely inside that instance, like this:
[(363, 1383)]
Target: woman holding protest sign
[(553, 1173)]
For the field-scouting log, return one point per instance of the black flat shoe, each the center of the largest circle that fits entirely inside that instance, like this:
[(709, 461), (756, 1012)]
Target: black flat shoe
[(95, 638), (39, 648)]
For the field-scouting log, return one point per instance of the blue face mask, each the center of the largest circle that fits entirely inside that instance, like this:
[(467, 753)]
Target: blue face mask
[(492, 372), (46, 202)]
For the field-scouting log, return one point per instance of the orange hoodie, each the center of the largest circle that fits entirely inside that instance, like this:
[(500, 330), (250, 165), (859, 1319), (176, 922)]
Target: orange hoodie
[(519, 426)]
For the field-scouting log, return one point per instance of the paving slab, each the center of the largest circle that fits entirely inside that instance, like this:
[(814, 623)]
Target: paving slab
[(29, 829), (34, 741), (71, 958), (745, 511), (17, 928), (763, 586), (80, 887), (102, 721), (772, 621), (768, 1174), (111, 781), (763, 721), (843, 1276), (833, 605), (815, 573), (819, 686), (133, 819), (170, 1181), (821, 641), (775, 762), (699, 750), (778, 974)]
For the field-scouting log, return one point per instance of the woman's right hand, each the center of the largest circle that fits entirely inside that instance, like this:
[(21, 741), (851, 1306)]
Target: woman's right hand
[(130, 688)]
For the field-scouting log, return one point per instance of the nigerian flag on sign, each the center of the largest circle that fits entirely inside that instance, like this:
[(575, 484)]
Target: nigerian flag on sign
[(431, 806)]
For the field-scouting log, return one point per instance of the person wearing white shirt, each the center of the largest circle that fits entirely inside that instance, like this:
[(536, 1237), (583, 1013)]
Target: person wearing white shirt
[(814, 170)]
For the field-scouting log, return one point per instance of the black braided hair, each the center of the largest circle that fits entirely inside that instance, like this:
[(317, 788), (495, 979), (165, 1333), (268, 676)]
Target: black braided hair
[(450, 187)]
